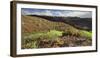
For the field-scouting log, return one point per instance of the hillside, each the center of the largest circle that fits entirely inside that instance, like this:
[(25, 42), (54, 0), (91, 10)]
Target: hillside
[(77, 22), (40, 32), (33, 23)]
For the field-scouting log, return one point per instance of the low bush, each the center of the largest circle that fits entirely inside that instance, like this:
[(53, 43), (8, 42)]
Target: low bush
[(86, 34), (53, 34), (71, 31), (32, 39)]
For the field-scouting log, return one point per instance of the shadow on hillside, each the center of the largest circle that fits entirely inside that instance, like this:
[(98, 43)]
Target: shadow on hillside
[(80, 23)]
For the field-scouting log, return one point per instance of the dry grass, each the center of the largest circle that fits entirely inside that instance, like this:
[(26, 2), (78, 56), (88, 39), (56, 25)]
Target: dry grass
[(36, 30)]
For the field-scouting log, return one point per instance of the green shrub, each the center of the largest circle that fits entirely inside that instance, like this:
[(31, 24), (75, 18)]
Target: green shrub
[(72, 31), (30, 45), (53, 34), (31, 40), (50, 34), (34, 44), (86, 34)]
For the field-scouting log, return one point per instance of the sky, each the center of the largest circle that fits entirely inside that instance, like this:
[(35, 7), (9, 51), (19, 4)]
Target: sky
[(56, 12)]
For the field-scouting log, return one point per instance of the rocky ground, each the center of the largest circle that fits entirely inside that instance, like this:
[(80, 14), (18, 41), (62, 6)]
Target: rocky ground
[(65, 41)]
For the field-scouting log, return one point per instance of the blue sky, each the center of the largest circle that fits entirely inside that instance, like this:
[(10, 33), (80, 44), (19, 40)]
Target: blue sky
[(55, 12)]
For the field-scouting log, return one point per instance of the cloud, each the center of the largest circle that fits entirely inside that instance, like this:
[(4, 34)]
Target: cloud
[(23, 12), (80, 14), (65, 13)]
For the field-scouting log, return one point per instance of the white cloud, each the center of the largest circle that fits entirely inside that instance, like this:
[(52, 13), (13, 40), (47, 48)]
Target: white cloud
[(80, 14)]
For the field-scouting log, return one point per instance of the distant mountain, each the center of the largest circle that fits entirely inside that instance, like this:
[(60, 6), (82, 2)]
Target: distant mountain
[(81, 23)]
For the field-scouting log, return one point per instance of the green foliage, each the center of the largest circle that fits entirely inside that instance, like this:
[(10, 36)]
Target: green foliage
[(34, 44), (31, 40), (86, 34), (50, 34), (76, 32), (37, 29), (30, 45), (72, 31), (53, 34)]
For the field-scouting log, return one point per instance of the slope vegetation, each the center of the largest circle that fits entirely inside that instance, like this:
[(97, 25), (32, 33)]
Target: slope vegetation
[(38, 32)]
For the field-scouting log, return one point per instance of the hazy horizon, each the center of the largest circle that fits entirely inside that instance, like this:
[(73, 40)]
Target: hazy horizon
[(55, 12)]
